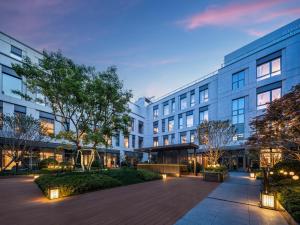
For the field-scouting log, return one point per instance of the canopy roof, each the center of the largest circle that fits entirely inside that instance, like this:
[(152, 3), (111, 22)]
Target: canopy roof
[(177, 147)]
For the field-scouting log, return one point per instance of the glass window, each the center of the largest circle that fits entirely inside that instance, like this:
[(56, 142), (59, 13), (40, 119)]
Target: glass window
[(166, 140), (141, 142), (180, 121), (182, 138), (189, 119), (126, 142), (170, 124), (155, 127), (204, 96), (163, 125), (133, 141), (172, 139), (238, 117), (193, 98), (155, 141), (238, 80), (155, 112), (132, 124), (173, 105), (141, 127), (269, 69), (16, 51), (117, 137), (10, 84), (48, 125), (183, 102), (1, 115), (203, 116), (263, 99), (192, 136), (166, 108)]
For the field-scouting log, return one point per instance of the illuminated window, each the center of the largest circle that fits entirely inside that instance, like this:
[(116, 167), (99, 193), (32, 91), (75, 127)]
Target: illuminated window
[(269, 69), (155, 141), (126, 141), (238, 80), (203, 114), (189, 119), (180, 121), (192, 136), (183, 102), (166, 140), (182, 138), (193, 98), (264, 98), (47, 122), (155, 112), (155, 127), (166, 108), (170, 124)]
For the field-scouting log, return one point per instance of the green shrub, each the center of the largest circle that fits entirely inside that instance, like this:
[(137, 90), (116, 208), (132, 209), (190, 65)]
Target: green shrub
[(75, 183), (47, 162), (147, 175), (216, 169)]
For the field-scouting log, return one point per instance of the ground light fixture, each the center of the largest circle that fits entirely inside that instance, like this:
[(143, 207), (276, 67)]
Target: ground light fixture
[(292, 173), (36, 176), (295, 177), (53, 193), (252, 175), (271, 172), (281, 171), (268, 200), (164, 176), (285, 173)]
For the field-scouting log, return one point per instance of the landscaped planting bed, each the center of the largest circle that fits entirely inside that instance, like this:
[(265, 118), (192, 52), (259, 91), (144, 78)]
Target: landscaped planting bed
[(78, 183)]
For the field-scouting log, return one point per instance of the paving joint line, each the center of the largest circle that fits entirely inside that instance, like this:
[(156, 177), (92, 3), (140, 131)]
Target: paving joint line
[(224, 200)]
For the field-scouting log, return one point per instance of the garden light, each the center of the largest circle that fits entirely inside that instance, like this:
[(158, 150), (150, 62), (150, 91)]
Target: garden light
[(36, 176), (295, 177), (271, 172), (267, 200), (164, 176), (281, 171), (252, 175), (285, 173), (292, 173), (53, 193)]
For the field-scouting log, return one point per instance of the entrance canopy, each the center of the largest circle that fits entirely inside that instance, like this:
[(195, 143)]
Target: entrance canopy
[(177, 147)]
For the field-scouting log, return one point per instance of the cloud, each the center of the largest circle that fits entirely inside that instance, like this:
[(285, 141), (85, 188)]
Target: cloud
[(235, 14)]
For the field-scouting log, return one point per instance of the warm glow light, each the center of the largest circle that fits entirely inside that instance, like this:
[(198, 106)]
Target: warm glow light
[(295, 177), (177, 175), (54, 193), (252, 175), (285, 173), (36, 176), (164, 176), (281, 171), (271, 172), (292, 173), (267, 200)]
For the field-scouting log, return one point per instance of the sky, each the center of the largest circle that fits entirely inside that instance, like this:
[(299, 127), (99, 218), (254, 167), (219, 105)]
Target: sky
[(157, 45)]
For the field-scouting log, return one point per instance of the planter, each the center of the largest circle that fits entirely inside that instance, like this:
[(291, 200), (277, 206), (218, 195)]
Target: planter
[(215, 176)]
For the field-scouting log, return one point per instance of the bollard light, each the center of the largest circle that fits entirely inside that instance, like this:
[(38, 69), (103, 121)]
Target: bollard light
[(295, 177), (271, 172), (292, 173), (53, 193), (268, 200), (36, 176), (164, 176), (285, 173), (281, 171), (252, 175)]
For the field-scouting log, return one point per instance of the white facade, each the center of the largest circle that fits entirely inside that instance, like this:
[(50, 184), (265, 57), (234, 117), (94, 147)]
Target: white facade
[(266, 68)]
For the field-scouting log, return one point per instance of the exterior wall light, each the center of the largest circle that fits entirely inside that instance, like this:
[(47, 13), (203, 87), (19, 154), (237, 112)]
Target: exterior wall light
[(252, 175), (295, 177), (164, 176), (292, 173), (268, 200), (53, 193)]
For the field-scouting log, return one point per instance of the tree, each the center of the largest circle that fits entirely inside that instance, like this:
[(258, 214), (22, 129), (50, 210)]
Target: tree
[(213, 137), (279, 127), (108, 108), (62, 84), (20, 132)]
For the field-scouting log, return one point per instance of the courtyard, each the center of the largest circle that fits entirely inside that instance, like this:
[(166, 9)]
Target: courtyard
[(154, 202)]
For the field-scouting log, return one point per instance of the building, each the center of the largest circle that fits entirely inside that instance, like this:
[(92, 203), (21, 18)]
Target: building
[(241, 89)]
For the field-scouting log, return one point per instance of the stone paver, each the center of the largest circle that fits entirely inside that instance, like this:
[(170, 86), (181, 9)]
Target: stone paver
[(233, 202)]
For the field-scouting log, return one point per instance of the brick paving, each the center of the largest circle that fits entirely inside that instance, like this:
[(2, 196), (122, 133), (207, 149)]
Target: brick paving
[(155, 202)]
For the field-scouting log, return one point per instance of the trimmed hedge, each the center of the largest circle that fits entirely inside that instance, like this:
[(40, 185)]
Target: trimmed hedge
[(289, 197), (74, 183), (216, 169)]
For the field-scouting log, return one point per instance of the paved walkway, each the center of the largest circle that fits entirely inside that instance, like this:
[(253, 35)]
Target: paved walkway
[(234, 202), (157, 202)]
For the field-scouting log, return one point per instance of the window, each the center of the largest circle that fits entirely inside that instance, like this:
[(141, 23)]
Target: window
[(141, 142), (183, 138), (172, 139), (40, 98), (11, 82), (267, 94), (192, 136), (170, 124), (155, 127), (189, 119), (163, 125), (117, 137), (132, 121), (16, 51), (193, 98), (133, 141), (238, 116), (166, 108), (180, 121), (126, 142), (166, 140), (203, 114), (141, 127), (1, 115), (238, 80), (183, 102), (269, 66), (47, 122), (19, 110), (173, 105), (155, 141), (155, 112), (203, 96)]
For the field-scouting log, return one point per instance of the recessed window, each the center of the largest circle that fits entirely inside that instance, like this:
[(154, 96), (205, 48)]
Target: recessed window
[(170, 124), (203, 114), (155, 141), (155, 127), (183, 102), (163, 125), (238, 116), (264, 99), (126, 142), (132, 124), (269, 69), (117, 138), (16, 51), (193, 98), (189, 119), (11, 82), (1, 115), (192, 136), (180, 121), (166, 108), (238, 80), (47, 122), (204, 96), (141, 142), (183, 138), (172, 139), (133, 141), (173, 105), (141, 127), (166, 140), (155, 112)]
